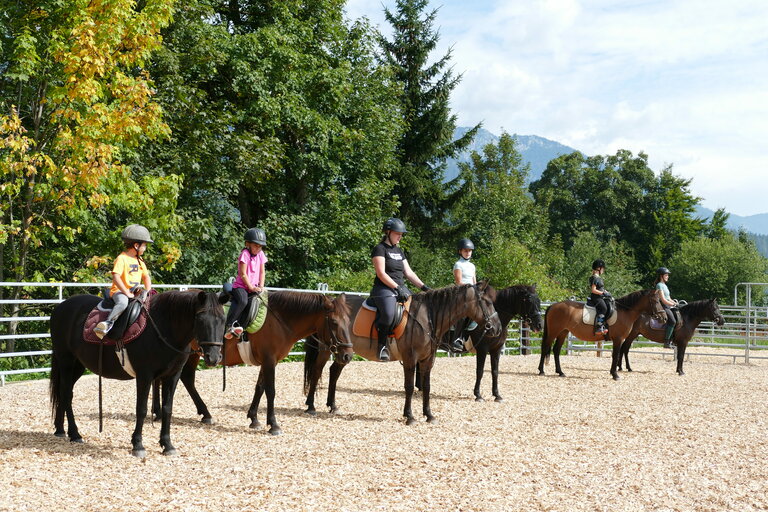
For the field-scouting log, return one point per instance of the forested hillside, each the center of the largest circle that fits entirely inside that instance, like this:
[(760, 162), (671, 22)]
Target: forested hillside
[(201, 119)]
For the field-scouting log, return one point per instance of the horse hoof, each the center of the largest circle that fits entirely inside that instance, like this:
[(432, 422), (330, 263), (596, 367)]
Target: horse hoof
[(78, 440), (141, 454), (410, 421), (60, 434), (254, 424), (310, 412), (498, 399), (541, 372), (170, 452), (275, 431), (207, 421), (479, 399), (333, 410), (681, 373), (431, 419), (617, 377), (561, 374)]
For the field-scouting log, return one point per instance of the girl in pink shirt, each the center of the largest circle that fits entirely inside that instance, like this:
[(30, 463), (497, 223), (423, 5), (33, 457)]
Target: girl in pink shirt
[(250, 278)]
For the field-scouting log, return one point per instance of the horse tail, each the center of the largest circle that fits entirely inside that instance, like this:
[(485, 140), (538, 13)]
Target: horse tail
[(311, 353), (546, 346), (54, 386)]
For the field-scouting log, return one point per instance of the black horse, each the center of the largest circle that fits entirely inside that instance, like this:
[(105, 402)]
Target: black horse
[(175, 319), (520, 300), (692, 314)]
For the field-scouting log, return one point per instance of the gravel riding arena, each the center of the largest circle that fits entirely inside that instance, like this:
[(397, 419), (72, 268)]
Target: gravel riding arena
[(650, 441)]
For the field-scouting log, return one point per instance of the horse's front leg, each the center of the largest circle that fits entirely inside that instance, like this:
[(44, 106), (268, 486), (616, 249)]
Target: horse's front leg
[(335, 373), (269, 389), (495, 357), (188, 379), (559, 345), (142, 395), (254, 408), (311, 378), (168, 390), (425, 387), (409, 374), (681, 346), (482, 352), (615, 358)]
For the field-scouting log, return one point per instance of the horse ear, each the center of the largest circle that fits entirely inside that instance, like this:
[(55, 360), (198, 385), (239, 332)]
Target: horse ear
[(201, 297), (223, 298)]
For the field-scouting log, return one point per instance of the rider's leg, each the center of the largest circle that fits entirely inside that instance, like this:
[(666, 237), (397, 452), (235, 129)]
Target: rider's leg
[(121, 302), (669, 328), (386, 306), (600, 310)]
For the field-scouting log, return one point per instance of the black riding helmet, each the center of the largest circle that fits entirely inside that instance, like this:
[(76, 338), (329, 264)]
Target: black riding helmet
[(661, 271), (256, 236), (464, 243), (597, 264), (394, 224)]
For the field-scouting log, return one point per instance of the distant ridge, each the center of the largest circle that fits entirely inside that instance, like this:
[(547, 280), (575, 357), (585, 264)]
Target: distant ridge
[(752, 223), (535, 150)]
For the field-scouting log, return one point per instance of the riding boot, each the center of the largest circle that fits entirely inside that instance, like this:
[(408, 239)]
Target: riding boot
[(383, 350), (600, 325), (668, 336)]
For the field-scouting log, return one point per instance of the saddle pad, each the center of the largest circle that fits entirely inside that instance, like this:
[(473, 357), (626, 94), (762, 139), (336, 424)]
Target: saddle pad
[(588, 316), (254, 314), (658, 324), (132, 332), (365, 319)]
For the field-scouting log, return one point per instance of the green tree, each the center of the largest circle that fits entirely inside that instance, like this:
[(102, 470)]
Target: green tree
[(711, 268), (429, 124), (280, 117), (717, 227)]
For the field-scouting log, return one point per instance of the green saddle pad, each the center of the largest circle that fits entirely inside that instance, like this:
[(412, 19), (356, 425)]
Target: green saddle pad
[(259, 302)]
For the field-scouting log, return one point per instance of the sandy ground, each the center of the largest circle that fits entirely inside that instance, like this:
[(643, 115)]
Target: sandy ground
[(651, 441)]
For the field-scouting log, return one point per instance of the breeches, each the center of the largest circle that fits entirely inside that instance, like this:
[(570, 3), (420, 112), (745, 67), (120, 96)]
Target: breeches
[(671, 322), (121, 302), (238, 301)]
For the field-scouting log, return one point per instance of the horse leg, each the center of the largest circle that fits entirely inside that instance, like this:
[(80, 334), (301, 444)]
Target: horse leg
[(188, 379), (615, 359), (546, 348), (269, 389), (680, 356), (142, 394), (156, 412), (69, 373), (409, 374), (336, 369), (254, 408), (168, 391), (418, 378), (625, 352), (482, 352), (495, 357), (425, 387), (313, 378), (559, 345)]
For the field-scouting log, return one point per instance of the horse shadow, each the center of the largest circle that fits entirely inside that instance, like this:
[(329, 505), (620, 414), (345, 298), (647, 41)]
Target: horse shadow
[(47, 442)]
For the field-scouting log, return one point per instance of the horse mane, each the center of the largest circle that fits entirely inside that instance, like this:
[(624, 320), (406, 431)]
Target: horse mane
[(177, 307), (630, 300), (507, 296), (695, 309), (441, 302)]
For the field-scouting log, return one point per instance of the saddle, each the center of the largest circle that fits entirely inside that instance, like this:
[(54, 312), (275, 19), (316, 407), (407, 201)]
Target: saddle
[(128, 326), (253, 316), (658, 324), (588, 315), (365, 320)]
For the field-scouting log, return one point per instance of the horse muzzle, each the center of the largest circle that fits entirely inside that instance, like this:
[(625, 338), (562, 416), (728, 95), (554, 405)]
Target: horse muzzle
[(211, 352)]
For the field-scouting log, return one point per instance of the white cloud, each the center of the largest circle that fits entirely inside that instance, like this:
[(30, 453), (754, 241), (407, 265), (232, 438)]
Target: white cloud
[(686, 81)]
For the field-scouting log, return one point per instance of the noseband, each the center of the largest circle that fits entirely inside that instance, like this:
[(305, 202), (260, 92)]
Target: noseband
[(336, 344)]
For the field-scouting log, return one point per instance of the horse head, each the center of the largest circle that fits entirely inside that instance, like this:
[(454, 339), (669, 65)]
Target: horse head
[(335, 331), (715, 314), (209, 325), (532, 309), (484, 313)]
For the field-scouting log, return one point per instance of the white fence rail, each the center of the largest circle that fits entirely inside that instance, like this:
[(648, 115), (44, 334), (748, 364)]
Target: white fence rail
[(745, 331)]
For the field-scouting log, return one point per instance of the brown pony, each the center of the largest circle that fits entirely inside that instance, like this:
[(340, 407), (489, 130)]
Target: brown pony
[(566, 316), (291, 316), (692, 314), (431, 315)]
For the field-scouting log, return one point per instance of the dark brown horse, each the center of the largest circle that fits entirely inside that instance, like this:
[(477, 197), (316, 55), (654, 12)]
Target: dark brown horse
[(566, 316), (291, 316), (175, 319), (692, 314), (431, 315), (515, 301)]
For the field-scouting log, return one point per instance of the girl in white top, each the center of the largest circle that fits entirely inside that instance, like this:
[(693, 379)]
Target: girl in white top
[(463, 273)]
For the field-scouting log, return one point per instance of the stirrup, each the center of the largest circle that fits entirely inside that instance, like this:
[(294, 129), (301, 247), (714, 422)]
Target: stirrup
[(457, 345), (384, 354)]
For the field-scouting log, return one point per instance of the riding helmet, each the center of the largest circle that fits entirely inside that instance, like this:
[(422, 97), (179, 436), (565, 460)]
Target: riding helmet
[(465, 243), (597, 264), (662, 270), (394, 224), (136, 233), (256, 236)]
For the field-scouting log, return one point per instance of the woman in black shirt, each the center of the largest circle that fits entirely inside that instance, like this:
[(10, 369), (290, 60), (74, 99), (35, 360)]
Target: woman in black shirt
[(389, 288), (597, 291)]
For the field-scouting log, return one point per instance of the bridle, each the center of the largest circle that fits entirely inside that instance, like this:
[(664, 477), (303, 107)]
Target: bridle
[(486, 316), (336, 344)]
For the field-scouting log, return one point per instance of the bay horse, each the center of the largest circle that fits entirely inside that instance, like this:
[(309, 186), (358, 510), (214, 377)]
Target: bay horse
[(692, 314), (566, 316), (431, 315), (290, 317), (175, 318)]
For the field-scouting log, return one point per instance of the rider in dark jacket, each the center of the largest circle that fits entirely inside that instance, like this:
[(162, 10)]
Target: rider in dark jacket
[(597, 295)]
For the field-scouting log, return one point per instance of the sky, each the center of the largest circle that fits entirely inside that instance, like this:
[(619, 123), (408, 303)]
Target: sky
[(684, 81)]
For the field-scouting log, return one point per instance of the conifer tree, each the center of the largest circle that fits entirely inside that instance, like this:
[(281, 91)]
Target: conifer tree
[(428, 138)]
